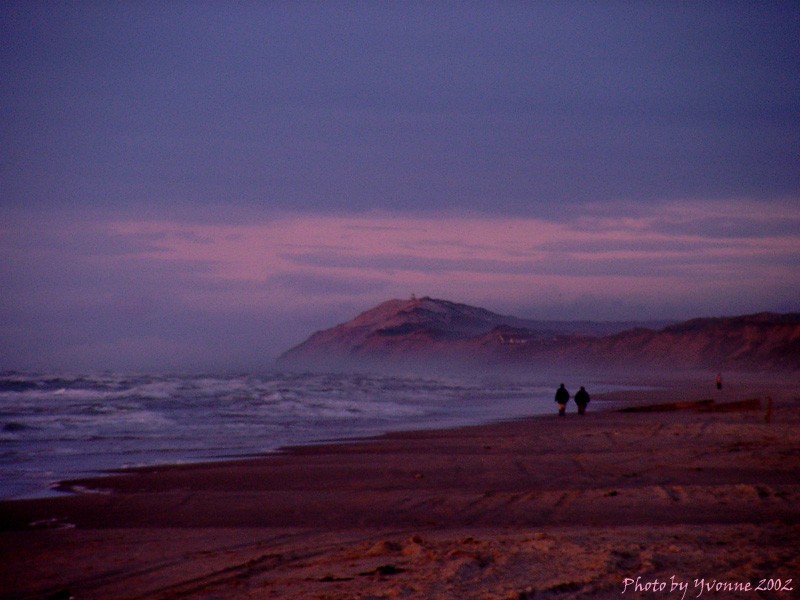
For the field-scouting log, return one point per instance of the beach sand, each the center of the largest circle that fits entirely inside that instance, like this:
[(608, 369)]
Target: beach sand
[(572, 507)]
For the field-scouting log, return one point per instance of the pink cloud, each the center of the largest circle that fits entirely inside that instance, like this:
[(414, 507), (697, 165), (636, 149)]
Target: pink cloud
[(660, 255), (106, 291)]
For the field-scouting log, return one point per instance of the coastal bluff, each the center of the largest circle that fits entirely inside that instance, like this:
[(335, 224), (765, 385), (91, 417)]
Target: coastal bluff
[(428, 332)]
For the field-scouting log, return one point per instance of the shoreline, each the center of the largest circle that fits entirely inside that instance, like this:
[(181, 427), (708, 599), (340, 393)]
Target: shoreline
[(477, 511), (53, 433), (53, 486), (58, 487)]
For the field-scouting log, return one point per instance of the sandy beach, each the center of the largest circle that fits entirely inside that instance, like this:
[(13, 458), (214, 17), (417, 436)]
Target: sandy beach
[(664, 504)]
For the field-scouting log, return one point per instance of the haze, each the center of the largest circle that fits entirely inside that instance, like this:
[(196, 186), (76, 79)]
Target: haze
[(199, 186)]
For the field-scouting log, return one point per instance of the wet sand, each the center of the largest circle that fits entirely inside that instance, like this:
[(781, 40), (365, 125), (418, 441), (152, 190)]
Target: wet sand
[(567, 507)]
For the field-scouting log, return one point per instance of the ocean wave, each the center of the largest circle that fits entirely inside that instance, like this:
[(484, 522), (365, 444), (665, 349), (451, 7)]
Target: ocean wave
[(59, 426)]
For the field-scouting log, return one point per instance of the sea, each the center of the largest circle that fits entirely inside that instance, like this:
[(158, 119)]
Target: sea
[(55, 427)]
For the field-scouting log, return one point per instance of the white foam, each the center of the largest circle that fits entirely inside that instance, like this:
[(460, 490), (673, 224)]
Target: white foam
[(76, 426)]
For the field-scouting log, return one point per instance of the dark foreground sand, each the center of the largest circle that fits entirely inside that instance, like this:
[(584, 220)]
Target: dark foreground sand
[(548, 507)]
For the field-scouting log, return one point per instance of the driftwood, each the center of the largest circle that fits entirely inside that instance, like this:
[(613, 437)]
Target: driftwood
[(698, 405), (740, 405), (669, 406)]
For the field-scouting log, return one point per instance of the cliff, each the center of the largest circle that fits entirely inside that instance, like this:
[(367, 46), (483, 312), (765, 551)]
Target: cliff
[(435, 333)]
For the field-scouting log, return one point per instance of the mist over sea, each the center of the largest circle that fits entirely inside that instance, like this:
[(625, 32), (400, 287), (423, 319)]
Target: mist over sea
[(55, 427)]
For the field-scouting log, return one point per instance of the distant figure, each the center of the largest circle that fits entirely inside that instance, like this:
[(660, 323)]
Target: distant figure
[(582, 399), (718, 381), (562, 397)]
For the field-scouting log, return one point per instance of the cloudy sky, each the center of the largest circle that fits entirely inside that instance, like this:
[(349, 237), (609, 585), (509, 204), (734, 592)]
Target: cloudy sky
[(200, 185)]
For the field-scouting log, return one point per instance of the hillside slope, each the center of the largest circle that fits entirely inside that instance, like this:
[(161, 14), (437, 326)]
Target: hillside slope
[(438, 333)]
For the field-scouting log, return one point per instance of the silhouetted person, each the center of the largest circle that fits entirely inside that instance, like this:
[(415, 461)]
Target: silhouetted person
[(562, 397), (582, 399), (718, 381)]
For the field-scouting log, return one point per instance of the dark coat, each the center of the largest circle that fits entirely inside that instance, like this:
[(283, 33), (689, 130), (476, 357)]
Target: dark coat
[(562, 395), (582, 397)]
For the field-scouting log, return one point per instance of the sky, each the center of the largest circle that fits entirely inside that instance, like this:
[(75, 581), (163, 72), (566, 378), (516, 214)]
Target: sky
[(190, 186)]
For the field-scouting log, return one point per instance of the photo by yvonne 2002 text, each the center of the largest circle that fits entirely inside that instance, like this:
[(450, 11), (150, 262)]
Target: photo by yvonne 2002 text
[(697, 587)]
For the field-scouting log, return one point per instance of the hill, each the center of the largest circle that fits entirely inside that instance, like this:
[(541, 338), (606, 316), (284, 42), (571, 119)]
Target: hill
[(432, 333)]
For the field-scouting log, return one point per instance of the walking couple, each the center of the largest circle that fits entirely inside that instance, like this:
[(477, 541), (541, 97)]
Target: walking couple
[(581, 399)]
